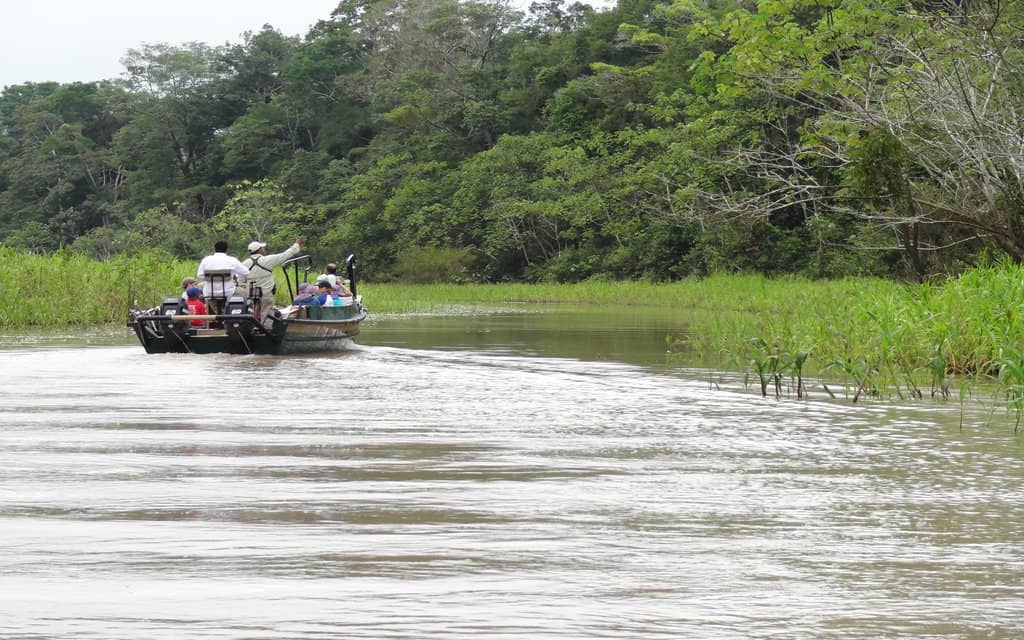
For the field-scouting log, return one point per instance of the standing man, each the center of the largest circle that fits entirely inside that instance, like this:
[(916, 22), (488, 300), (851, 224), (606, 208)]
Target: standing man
[(261, 270), (220, 270)]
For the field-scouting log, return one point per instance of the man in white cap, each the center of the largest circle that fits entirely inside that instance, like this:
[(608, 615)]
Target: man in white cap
[(261, 270)]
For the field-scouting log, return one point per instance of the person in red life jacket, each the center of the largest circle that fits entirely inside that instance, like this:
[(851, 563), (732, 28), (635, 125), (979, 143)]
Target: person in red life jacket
[(196, 306)]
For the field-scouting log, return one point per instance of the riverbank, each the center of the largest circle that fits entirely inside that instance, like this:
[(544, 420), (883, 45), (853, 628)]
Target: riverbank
[(875, 333), (879, 336)]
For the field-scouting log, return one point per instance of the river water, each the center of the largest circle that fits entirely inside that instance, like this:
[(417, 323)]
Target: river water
[(514, 475)]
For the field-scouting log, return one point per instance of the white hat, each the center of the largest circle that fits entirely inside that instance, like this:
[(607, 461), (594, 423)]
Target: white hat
[(255, 246)]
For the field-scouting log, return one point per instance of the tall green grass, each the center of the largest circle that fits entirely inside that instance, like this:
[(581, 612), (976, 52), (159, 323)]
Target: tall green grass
[(870, 337), (749, 294), (873, 334), (69, 289), (66, 289), (879, 336)]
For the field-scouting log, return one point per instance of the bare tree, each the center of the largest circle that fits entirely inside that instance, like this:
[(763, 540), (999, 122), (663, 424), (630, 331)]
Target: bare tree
[(915, 122)]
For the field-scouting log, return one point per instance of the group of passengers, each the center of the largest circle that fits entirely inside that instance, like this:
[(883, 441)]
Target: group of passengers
[(223, 275), (322, 294), (329, 288)]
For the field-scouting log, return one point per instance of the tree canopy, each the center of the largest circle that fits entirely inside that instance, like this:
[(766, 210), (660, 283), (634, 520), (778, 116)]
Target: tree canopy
[(466, 140)]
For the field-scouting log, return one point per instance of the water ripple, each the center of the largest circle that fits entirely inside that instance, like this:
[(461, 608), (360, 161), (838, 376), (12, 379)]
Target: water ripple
[(398, 493)]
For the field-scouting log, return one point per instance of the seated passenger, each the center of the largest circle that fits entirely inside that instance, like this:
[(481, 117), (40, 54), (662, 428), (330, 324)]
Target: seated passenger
[(324, 295), (330, 274), (188, 283), (196, 307), (340, 290), (307, 295)]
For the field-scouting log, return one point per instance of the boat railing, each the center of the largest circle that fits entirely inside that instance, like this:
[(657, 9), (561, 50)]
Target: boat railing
[(292, 278), (297, 270), (350, 267)]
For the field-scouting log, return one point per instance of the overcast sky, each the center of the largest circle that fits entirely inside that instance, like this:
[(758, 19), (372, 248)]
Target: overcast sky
[(84, 40)]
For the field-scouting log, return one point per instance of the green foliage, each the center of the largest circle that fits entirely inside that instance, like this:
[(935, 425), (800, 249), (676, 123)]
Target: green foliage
[(33, 236), (256, 141), (162, 228), (261, 211), (654, 140), (423, 265), (94, 292), (879, 165)]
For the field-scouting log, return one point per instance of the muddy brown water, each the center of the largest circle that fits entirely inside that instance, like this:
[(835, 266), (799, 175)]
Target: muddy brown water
[(509, 475)]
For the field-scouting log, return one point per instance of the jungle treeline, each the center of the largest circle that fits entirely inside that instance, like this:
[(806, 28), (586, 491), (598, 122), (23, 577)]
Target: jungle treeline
[(467, 141)]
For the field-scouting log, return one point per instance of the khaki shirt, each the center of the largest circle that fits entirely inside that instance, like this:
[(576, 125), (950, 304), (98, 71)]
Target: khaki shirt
[(261, 268)]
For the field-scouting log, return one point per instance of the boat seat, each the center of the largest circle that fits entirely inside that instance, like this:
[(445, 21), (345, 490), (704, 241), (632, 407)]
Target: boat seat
[(219, 280)]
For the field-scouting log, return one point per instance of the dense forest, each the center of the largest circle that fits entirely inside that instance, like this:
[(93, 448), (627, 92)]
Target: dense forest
[(462, 140)]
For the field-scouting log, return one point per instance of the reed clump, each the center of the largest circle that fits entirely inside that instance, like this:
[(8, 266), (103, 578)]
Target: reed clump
[(69, 289), (880, 337)]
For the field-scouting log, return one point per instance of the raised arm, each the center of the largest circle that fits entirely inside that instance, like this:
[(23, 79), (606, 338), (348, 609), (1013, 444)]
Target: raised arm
[(276, 259)]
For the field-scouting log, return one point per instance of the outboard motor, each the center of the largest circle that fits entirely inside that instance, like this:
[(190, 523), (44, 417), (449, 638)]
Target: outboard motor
[(175, 333), (237, 305), (240, 325), (173, 306)]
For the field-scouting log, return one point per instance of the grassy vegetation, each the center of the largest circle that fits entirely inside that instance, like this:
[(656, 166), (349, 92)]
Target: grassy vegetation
[(66, 288), (877, 335)]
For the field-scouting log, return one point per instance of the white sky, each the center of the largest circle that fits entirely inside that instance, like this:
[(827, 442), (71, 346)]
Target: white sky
[(84, 40)]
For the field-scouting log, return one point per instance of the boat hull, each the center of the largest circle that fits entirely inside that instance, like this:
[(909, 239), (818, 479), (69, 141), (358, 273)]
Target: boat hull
[(310, 330)]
